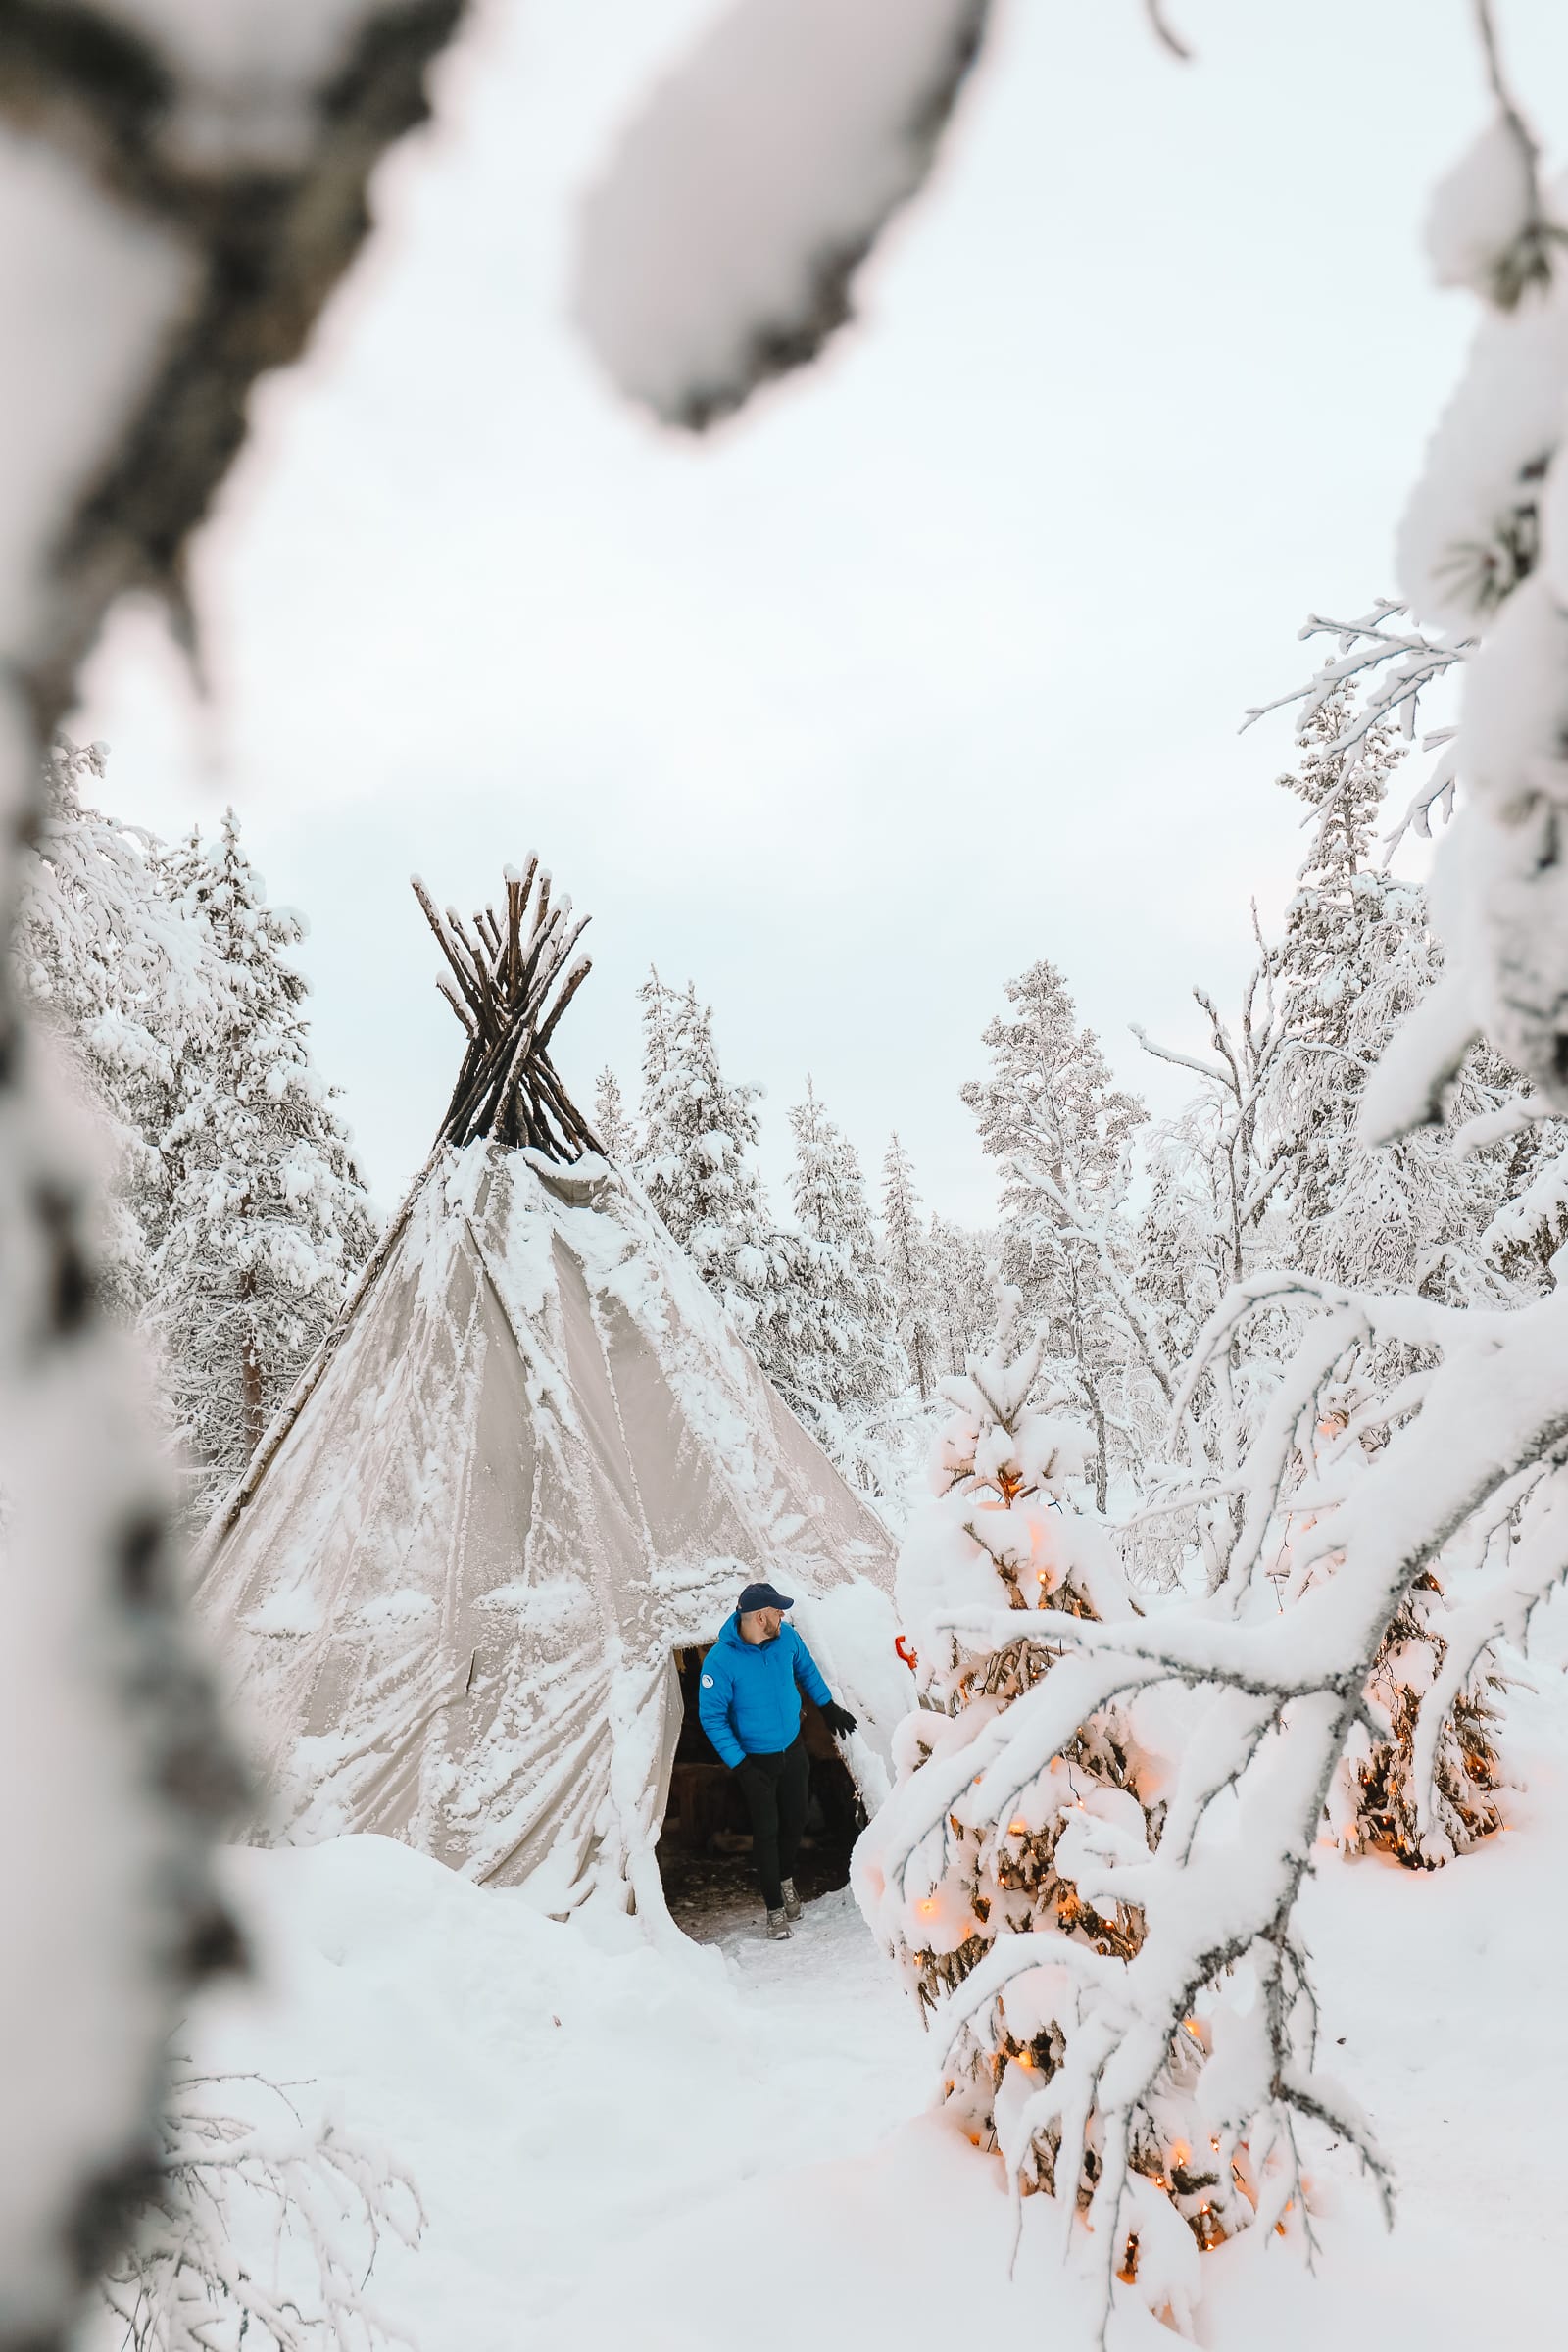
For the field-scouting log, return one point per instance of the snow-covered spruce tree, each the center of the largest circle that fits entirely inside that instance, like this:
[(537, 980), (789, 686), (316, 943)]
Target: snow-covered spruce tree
[(1380, 669), (973, 1875), (851, 1360), (907, 1264), (266, 1217), (1304, 1191), (963, 1284), (124, 983), (1051, 1114), (1356, 956), (611, 1121), (699, 1131)]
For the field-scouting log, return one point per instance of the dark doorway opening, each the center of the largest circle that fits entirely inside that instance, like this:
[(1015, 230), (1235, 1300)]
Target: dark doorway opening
[(704, 1846)]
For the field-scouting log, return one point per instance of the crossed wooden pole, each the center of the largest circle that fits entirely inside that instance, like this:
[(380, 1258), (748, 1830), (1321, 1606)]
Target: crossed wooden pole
[(515, 978)]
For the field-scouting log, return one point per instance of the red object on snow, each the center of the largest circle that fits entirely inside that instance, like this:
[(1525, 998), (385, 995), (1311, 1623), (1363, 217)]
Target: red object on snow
[(911, 1657)]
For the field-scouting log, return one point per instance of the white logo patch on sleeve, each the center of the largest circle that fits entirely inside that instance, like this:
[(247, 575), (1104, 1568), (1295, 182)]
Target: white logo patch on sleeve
[(708, 1682)]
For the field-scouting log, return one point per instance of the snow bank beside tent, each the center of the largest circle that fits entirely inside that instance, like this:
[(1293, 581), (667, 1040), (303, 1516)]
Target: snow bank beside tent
[(555, 2092)]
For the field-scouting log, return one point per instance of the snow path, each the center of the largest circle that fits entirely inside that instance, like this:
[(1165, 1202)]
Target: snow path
[(425, 2011), (624, 2151)]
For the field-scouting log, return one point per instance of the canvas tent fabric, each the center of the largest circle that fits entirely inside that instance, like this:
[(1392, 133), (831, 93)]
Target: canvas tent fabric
[(538, 1459)]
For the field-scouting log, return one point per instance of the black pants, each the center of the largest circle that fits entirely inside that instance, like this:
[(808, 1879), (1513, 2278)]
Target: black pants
[(775, 1792)]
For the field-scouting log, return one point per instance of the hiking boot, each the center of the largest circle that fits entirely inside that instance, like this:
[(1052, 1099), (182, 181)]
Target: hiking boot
[(792, 1901), (778, 1928)]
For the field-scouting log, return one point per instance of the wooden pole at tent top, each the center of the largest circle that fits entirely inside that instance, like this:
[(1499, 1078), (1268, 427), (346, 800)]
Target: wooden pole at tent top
[(514, 976)]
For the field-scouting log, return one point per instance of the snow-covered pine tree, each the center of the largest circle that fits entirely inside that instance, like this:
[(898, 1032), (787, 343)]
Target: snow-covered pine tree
[(964, 1291), (1380, 668), (611, 1121), (1051, 1114), (699, 1131), (1357, 957), (907, 1264), (970, 1875), (266, 1218), (1269, 1168), (851, 1360)]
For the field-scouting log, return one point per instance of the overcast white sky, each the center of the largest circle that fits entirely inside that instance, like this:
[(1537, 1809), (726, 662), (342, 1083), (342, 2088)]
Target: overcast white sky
[(929, 666)]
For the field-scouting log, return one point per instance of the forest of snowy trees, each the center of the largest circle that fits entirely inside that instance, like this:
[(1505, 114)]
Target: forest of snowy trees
[(237, 1219), (1164, 1373), (235, 1216), (1246, 1428)]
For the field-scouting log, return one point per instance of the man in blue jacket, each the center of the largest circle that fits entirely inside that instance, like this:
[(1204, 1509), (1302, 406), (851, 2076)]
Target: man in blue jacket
[(750, 1706)]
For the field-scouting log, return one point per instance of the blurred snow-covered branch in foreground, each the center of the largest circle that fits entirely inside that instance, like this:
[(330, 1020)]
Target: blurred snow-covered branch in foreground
[(181, 185), (720, 245)]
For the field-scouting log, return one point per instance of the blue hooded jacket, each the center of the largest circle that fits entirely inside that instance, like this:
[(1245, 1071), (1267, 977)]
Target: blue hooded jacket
[(749, 1704)]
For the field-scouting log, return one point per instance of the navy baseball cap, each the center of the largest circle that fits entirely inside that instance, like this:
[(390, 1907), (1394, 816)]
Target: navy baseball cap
[(762, 1597)]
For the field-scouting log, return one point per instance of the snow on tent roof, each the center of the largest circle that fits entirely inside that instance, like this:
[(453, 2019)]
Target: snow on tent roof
[(533, 1458)]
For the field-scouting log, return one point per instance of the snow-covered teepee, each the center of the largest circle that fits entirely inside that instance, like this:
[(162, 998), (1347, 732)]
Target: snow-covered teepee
[(532, 1462)]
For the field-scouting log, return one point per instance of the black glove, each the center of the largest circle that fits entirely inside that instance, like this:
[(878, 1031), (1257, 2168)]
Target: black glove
[(840, 1722)]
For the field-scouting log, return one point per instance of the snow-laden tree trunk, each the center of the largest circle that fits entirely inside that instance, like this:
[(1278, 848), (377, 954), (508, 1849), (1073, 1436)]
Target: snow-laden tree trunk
[(181, 188)]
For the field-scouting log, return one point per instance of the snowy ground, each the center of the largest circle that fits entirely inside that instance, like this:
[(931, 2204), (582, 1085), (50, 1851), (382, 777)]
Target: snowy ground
[(619, 2148)]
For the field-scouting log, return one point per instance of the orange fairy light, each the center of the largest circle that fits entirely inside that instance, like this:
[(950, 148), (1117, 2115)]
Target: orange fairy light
[(1180, 2152), (1207, 2230), (928, 1906), (1018, 1829)]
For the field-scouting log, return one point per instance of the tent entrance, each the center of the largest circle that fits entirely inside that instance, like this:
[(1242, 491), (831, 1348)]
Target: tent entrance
[(704, 1846)]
